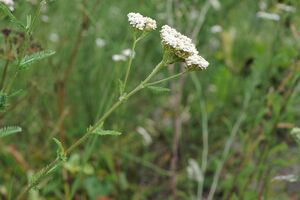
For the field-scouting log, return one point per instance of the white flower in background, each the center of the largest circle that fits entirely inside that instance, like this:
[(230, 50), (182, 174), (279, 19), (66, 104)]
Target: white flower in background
[(118, 57), (45, 18), (268, 16), (286, 7), (263, 5), (296, 133), (216, 29), (9, 4), (194, 171), (100, 42), (215, 4), (196, 61), (289, 178), (123, 56), (54, 37), (146, 136), (127, 52), (138, 21)]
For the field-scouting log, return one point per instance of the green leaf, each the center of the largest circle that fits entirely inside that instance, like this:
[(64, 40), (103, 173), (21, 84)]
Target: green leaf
[(3, 101), (102, 132), (9, 130), (29, 21), (60, 151), (12, 18), (29, 59), (158, 89)]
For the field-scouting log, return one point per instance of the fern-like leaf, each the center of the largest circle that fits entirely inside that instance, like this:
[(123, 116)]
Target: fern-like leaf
[(9, 130)]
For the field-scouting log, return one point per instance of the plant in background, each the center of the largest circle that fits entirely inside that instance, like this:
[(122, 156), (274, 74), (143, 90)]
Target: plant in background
[(177, 48), (19, 52)]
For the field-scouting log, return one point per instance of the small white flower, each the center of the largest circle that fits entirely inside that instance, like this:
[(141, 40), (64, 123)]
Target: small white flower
[(100, 42), (45, 18), (118, 57), (197, 62), (194, 171), (126, 52), (286, 7), (54, 37), (182, 46), (215, 4), (268, 16), (263, 5), (138, 21), (9, 4), (216, 29), (146, 136), (289, 178)]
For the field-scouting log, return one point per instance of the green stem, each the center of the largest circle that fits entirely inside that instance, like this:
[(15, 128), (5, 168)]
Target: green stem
[(4, 73), (166, 79), (45, 171), (130, 63)]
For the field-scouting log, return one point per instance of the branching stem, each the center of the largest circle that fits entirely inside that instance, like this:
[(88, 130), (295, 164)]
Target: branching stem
[(46, 170)]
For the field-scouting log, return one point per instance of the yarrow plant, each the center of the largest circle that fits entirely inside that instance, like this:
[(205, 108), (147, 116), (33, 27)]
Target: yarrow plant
[(177, 48)]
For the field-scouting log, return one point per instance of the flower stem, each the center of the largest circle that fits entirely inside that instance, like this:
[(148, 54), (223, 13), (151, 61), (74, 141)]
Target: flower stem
[(129, 63), (166, 79)]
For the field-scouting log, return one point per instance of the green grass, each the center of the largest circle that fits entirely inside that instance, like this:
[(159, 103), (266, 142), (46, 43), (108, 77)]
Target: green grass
[(252, 58)]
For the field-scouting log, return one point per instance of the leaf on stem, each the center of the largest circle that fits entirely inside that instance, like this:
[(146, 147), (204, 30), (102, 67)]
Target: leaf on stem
[(61, 154), (102, 132), (29, 59), (9, 130), (12, 18), (158, 89)]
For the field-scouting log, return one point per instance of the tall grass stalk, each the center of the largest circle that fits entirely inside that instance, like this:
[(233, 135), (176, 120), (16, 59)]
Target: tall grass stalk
[(228, 146)]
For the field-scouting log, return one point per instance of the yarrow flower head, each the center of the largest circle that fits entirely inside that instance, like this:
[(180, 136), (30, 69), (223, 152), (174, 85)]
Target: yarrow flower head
[(183, 48), (196, 62), (9, 4), (139, 22)]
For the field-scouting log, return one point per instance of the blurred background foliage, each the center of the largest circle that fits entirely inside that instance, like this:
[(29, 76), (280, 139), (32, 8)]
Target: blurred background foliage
[(253, 61)]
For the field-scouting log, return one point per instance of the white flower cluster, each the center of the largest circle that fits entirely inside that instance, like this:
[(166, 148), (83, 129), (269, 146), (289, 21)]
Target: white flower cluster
[(138, 21), (286, 7), (289, 178), (9, 3), (183, 47), (268, 16), (196, 61), (123, 56), (194, 171)]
